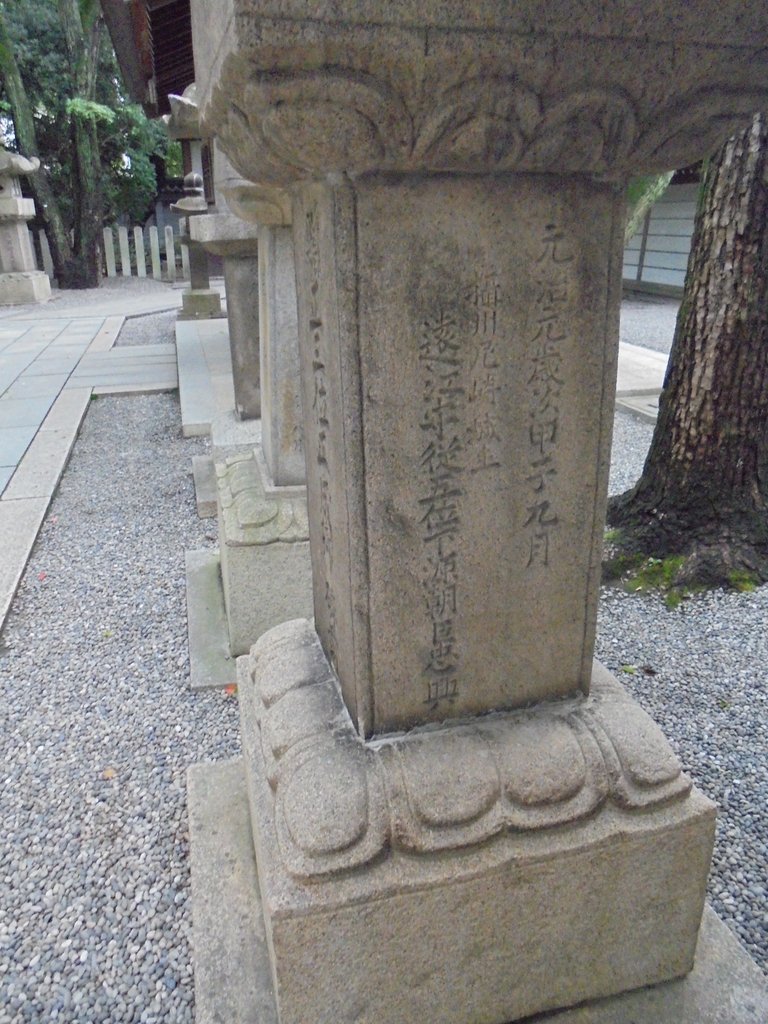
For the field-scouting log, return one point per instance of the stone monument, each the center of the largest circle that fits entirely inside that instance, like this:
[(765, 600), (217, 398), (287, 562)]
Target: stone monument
[(456, 817), (262, 506), (20, 280)]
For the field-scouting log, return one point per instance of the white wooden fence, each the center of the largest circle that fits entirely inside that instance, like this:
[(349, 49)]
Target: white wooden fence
[(141, 253), (657, 257)]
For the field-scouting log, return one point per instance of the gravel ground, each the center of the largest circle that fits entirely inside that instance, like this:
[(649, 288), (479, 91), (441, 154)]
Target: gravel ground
[(649, 321), (702, 673), (97, 728), (154, 329)]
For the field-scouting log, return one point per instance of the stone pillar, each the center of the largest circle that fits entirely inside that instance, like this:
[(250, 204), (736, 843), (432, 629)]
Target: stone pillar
[(236, 242), (456, 816), (20, 280), (261, 497)]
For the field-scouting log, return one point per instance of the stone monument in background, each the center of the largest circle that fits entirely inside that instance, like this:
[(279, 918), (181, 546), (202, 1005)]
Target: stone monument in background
[(456, 816), (20, 280)]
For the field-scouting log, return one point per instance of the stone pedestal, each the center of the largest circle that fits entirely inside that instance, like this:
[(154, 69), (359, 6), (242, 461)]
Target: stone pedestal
[(20, 280), (264, 552), (236, 242), (455, 817)]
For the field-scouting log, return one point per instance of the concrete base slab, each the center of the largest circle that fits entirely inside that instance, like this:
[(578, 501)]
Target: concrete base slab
[(230, 434), (232, 972), (210, 663), (204, 476), (644, 406)]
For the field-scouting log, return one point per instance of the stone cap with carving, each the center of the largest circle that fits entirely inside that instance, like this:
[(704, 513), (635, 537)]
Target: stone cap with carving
[(307, 89)]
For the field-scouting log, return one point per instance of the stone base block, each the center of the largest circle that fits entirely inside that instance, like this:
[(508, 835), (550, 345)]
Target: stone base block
[(478, 871), (200, 304), (264, 543), (204, 476), (19, 288), (210, 663), (233, 979)]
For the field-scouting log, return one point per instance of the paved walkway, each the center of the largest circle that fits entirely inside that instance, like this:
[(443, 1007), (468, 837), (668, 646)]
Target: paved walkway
[(52, 362), (54, 359)]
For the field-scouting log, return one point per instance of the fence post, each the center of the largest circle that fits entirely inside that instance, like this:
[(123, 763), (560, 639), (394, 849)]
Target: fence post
[(141, 257), (170, 254), (154, 251), (109, 252), (125, 252)]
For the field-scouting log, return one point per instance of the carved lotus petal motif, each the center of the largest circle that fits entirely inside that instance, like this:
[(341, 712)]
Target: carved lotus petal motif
[(481, 123), (340, 802), (450, 783), (590, 130), (644, 754), (338, 120), (542, 762), (712, 114), (298, 716), (324, 799)]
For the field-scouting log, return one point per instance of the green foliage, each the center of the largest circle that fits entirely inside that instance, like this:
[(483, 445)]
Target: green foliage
[(89, 111), (743, 580), (642, 193), (130, 146)]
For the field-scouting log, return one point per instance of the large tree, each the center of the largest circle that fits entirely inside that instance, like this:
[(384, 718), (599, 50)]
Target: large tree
[(61, 89), (703, 494)]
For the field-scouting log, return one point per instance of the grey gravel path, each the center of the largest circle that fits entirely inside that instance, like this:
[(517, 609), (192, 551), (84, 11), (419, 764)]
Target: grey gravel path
[(649, 321), (702, 673), (154, 329), (97, 727)]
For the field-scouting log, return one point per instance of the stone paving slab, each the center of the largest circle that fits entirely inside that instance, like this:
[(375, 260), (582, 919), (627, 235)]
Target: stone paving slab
[(210, 663), (232, 974), (38, 474), (19, 525), (14, 441), (205, 374), (645, 407), (640, 369), (24, 412)]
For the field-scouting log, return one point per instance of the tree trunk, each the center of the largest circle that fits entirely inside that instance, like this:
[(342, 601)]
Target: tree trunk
[(26, 139), (83, 42), (704, 489)]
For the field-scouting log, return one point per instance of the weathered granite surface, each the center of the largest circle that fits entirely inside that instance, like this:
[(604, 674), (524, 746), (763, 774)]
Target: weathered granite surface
[(487, 87), (435, 797), (281, 414), (433, 868), (264, 552), (236, 241), (233, 978)]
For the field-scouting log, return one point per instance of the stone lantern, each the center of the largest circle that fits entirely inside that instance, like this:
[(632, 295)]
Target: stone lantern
[(20, 280), (199, 301), (456, 815)]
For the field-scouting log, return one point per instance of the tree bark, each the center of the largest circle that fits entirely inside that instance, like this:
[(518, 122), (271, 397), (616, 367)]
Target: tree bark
[(83, 41), (704, 490), (26, 138)]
